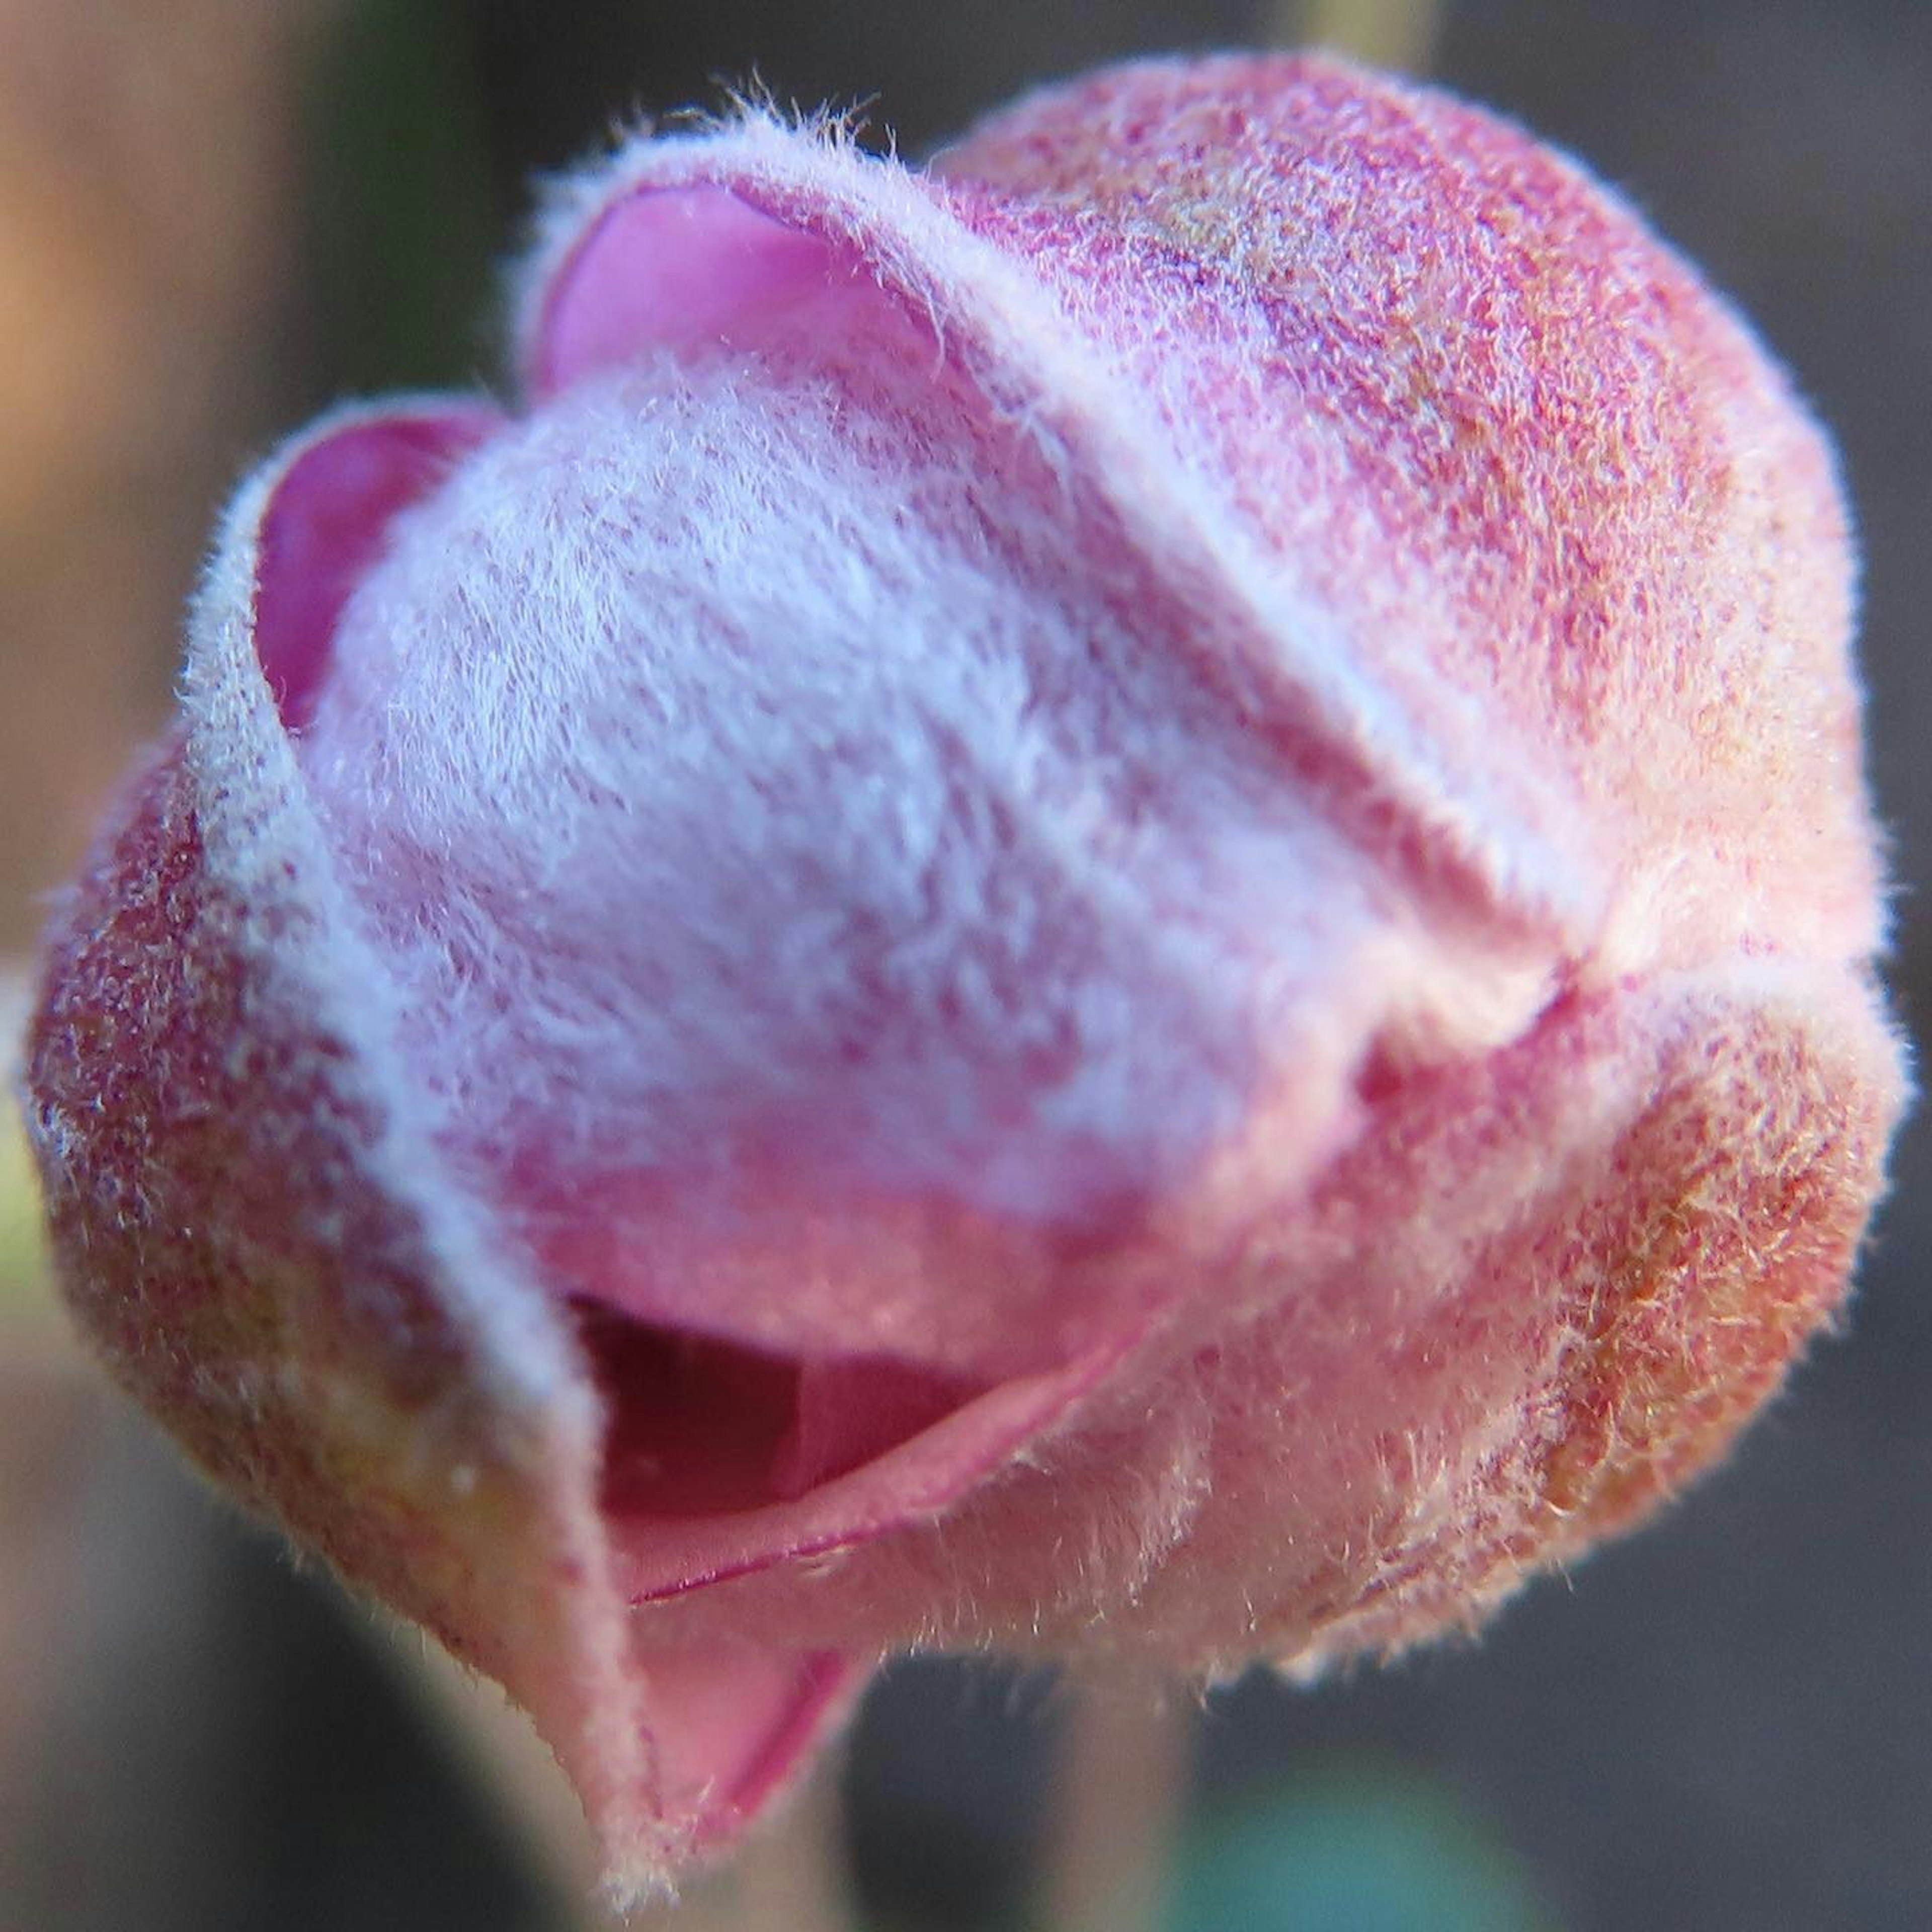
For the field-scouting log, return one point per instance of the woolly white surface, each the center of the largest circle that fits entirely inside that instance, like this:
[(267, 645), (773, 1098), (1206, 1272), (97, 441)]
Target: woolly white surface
[(719, 772), (1504, 820)]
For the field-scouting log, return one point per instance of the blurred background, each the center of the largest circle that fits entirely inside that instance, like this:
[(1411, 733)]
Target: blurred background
[(219, 216)]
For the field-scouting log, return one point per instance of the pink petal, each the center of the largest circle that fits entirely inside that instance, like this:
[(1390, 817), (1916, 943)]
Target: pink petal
[(678, 270), (733, 1723), (969, 1291), (325, 525)]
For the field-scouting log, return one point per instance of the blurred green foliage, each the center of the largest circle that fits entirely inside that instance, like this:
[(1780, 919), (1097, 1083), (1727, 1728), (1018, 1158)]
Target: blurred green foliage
[(404, 220), (25, 1297), (1361, 1851)]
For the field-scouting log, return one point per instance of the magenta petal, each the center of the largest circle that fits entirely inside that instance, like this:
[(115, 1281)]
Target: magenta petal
[(326, 523), (672, 269)]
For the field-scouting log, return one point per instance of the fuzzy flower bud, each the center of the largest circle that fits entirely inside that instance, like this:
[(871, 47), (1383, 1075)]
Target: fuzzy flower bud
[(1116, 899)]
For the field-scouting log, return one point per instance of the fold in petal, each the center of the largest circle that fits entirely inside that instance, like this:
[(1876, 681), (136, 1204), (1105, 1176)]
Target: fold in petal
[(1556, 498), (1483, 835)]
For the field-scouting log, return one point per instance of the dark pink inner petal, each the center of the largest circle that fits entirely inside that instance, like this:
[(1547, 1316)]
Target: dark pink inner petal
[(699, 1426), (721, 1462), (678, 267), (847, 1413), (324, 525)]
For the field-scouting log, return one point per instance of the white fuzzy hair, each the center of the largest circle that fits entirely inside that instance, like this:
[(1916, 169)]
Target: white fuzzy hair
[(718, 767)]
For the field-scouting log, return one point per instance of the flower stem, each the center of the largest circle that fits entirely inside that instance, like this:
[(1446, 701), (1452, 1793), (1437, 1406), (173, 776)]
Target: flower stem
[(1120, 1791), (795, 1879), (1398, 34)]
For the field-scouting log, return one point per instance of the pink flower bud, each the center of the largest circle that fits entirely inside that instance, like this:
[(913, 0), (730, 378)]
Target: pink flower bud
[(1117, 899)]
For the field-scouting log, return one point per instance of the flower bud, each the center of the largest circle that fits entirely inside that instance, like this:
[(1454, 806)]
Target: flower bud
[(1115, 900)]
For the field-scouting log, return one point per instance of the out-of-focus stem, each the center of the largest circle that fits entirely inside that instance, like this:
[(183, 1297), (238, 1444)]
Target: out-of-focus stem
[(1119, 1794), (796, 1880), (1398, 34), (791, 1876)]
